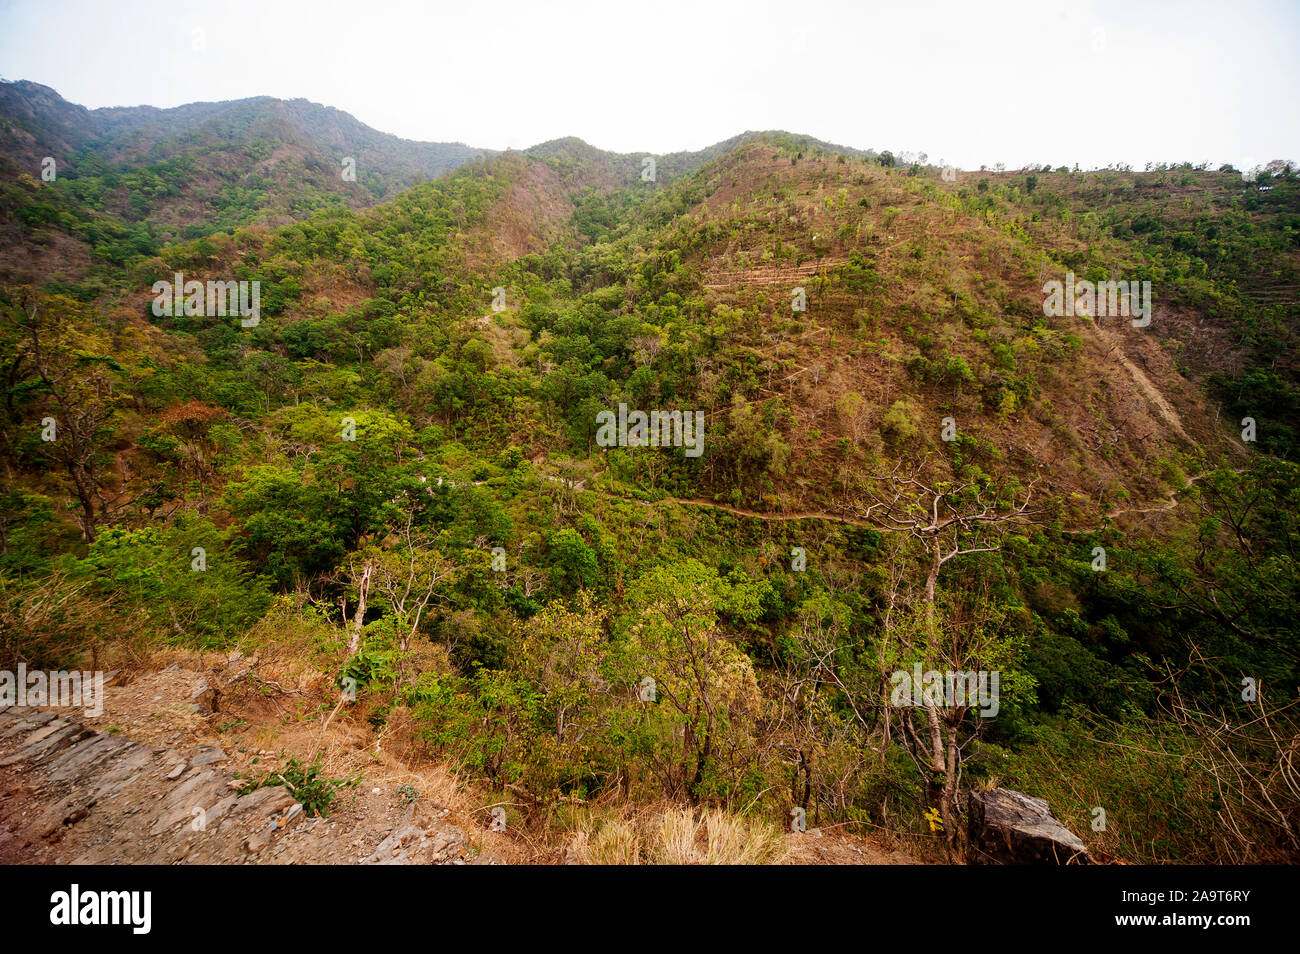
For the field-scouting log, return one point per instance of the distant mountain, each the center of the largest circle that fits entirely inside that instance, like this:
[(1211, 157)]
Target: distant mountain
[(669, 166), (202, 167), (131, 179)]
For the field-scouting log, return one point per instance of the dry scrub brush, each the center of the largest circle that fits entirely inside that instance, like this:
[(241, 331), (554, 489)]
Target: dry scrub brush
[(678, 836)]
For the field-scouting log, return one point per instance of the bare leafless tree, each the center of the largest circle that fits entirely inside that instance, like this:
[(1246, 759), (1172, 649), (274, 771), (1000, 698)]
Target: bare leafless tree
[(944, 521)]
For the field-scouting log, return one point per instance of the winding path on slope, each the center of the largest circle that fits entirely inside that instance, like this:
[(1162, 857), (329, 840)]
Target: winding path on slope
[(1169, 502)]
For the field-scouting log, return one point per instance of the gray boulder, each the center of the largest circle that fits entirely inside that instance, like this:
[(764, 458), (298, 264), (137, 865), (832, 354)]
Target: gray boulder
[(1011, 828)]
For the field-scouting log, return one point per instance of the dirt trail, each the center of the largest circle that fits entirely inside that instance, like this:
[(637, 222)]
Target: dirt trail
[(760, 515), (1157, 400), (1170, 501), (768, 274)]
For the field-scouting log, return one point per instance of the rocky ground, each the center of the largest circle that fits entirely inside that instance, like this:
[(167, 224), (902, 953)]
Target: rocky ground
[(155, 778), (157, 786)]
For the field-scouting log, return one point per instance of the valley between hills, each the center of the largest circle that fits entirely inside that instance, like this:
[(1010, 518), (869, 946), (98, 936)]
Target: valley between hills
[(367, 573)]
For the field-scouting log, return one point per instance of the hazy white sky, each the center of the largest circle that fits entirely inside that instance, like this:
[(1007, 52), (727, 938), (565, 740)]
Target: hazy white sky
[(966, 82)]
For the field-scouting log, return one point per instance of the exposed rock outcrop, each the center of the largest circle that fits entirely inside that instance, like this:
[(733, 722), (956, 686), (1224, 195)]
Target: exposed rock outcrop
[(1011, 828), (72, 794)]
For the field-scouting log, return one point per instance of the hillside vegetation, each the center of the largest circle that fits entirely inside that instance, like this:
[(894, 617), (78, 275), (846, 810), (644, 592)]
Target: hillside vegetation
[(395, 475)]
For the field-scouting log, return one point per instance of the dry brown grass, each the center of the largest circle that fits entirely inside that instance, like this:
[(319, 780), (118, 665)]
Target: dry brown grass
[(674, 835), (677, 838), (615, 842), (730, 840)]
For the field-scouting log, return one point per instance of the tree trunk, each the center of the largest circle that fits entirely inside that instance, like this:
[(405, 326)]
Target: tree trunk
[(363, 587), (85, 497)]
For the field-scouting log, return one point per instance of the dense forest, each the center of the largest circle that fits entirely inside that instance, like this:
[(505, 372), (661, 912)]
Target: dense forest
[(393, 481)]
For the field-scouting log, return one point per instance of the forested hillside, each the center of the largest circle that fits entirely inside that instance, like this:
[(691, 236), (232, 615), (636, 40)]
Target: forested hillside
[(395, 480), (133, 179)]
